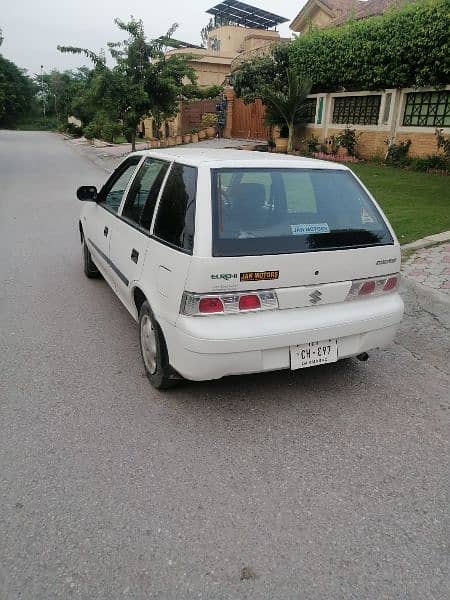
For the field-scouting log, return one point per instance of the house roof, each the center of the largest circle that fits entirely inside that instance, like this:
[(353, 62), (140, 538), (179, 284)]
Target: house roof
[(334, 8), (370, 8), (340, 10)]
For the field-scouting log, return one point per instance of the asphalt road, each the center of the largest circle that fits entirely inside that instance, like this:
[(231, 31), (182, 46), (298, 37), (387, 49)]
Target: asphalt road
[(325, 483)]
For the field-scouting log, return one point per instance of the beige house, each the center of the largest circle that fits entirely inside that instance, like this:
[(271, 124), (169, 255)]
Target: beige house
[(325, 13), (241, 30), (213, 64)]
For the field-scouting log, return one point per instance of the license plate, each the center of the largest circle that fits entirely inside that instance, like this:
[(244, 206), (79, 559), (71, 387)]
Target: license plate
[(314, 353)]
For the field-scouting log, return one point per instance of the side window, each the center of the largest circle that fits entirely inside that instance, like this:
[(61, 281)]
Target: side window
[(112, 192), (140, 203), (175, 220)]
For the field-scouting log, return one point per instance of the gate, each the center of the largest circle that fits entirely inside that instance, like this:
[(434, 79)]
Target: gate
[(248, 120), (191, 113)]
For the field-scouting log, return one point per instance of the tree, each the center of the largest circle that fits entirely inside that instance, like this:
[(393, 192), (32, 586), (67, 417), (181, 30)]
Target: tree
[(287, 107), (406, 47), (283, 93), (65, 93), (143, 82), (16, 93), (253, 76)]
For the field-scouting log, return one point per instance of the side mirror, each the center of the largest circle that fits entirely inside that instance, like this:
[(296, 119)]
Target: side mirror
[(87, 193)]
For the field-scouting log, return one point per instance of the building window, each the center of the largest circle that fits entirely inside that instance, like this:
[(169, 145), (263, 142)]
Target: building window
[(310, 110), (357, 110), (427, 109)]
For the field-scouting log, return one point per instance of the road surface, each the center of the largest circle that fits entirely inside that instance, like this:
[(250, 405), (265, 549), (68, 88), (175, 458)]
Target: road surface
[(324, 483)]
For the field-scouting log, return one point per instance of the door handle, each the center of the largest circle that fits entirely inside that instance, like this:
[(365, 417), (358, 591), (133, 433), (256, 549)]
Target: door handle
[(134, 255), (105, 232)]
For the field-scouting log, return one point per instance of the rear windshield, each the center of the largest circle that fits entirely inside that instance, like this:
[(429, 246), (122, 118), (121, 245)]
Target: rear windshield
[(281, 211)]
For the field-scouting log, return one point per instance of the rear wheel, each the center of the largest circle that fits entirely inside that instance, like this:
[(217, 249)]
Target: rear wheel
[(154, 351), (89, 268)]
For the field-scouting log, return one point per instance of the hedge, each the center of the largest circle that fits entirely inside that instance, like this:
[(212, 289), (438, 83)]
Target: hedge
[(407, 47)]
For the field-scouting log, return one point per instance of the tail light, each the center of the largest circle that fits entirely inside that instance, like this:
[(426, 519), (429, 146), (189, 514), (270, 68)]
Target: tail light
[(237, 302), (373, 287)]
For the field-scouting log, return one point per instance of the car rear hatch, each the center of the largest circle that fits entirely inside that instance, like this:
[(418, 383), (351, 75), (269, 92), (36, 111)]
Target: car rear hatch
[(311, 235)]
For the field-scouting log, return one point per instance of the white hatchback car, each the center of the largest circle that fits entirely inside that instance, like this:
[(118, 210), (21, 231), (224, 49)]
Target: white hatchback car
[(240, 262)]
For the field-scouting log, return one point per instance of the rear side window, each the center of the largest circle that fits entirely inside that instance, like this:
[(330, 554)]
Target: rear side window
[(175, 221), (280, 211), (141, 199)]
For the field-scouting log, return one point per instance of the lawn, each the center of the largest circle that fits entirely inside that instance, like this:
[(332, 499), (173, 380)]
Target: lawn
[(417, 204)]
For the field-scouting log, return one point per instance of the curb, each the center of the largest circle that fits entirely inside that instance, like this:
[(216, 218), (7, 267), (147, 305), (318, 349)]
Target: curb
[(430, 240)]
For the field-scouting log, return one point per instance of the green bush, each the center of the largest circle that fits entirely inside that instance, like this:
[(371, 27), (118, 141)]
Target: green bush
[(312, 143), (397, 154), (103, 128), (91, 131), (433, 162), (348, 138), (73, 129), (442, 142), (409, 47)]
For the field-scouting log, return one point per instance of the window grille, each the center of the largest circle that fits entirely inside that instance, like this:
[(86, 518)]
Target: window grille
[(427, 109), (357, 110), (309, 112)]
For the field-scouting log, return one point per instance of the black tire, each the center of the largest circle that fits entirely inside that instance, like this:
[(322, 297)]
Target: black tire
[(89, 268), (154, 351)]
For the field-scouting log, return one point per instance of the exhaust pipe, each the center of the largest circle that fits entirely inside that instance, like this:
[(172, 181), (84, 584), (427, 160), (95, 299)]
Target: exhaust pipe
[(363, 356)]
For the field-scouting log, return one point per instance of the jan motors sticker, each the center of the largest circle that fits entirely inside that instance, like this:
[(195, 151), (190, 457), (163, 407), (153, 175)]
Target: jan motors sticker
[(309, 228), (259, 275)]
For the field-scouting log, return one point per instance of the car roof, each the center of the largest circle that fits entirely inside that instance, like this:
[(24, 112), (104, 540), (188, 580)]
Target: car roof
[(230, 157)]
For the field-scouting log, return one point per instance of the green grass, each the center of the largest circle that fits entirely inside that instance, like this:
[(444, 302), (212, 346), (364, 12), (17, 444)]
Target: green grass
[(416, 204)]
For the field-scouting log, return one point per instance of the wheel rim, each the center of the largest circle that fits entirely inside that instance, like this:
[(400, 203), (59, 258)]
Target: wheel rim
[(148, 344)]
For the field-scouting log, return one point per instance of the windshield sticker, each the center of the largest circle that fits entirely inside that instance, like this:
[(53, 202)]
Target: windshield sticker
[(366, 217), (260, 275), (308, 228)]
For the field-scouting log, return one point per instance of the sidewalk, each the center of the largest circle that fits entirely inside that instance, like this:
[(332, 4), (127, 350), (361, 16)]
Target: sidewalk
[(430, 267)]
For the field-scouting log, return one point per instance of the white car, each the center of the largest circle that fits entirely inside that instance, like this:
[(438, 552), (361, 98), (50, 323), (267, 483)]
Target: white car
[(240, 262)]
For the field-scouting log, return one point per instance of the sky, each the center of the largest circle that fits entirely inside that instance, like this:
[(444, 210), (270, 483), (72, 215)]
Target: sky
[(32, 29)]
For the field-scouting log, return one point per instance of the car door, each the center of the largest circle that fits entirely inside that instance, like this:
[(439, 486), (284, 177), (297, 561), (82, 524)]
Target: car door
[(129, 239), (99, 221), (171, 245)]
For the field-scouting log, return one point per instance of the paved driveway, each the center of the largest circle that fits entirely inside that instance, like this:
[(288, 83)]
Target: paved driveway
[(319, 484)]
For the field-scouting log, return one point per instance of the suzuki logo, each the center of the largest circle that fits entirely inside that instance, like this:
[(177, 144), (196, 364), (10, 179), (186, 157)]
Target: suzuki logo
[(315, 297)]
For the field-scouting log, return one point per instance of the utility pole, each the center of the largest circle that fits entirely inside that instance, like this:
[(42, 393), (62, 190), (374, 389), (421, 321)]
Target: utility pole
[(42, 89)]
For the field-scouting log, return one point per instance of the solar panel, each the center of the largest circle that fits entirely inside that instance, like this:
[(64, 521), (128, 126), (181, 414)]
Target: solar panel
[(245, 15)]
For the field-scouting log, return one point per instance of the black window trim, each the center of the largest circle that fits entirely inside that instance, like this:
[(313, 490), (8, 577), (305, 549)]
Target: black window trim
[(120, 169), (132, 223), (158, 203)]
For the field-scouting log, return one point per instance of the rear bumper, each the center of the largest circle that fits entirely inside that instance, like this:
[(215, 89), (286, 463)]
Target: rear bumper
[(202, 348)]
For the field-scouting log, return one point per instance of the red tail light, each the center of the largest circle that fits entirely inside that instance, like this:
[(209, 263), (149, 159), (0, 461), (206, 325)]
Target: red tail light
[(367, 288), (228, 303), (210, 305), (249, 302), (390, 284), (375, 286)]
